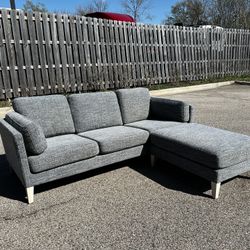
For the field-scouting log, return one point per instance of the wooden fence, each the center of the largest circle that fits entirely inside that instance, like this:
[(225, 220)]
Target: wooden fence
[(43, 53)]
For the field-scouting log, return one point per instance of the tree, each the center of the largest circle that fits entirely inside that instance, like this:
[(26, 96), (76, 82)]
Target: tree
[(30, 6), (187, 12), (95, 6), (224, 13), (230, 13), (138, 9)]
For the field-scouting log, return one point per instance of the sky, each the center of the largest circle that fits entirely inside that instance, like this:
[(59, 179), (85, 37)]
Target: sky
[(159, 8)]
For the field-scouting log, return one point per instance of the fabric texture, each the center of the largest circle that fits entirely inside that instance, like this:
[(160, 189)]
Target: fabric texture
[(117, 138), (134, 104), (85, 165), (153, 125), (95, 110), (212, 147), (35, 142), (215, 175), (15, 152), (169, 110), (62, 150), (52, 113)]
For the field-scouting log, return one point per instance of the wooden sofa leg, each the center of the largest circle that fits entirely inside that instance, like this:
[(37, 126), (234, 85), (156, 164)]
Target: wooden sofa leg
[(30, 194), (215, 189), (152, 160)]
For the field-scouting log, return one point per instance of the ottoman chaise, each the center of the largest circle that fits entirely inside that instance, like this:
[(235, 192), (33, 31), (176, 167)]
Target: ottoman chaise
[(214, 154)]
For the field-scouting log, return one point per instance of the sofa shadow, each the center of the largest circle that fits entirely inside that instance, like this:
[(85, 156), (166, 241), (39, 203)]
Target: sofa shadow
[(12, 188), (163, 173), (172, 177), (79, 177)]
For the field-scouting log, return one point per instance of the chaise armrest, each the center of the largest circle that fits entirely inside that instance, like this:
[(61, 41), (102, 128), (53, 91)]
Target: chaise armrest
[(170, 110), (15, 151)]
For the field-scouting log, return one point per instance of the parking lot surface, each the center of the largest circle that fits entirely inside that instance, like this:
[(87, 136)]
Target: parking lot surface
[(133, 206)]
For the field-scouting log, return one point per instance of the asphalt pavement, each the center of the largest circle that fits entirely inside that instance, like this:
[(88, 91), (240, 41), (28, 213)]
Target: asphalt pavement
[(133, 206)]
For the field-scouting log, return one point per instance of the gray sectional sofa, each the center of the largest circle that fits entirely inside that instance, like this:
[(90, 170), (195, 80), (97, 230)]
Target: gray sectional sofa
[(52, 137)]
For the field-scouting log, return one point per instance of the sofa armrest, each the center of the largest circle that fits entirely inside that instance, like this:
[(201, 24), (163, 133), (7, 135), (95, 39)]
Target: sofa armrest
[(15, 151), (170, 110)]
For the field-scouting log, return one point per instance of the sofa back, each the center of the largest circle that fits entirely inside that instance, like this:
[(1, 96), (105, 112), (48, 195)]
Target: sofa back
[(94, 110), (134, 104), (51, 112)]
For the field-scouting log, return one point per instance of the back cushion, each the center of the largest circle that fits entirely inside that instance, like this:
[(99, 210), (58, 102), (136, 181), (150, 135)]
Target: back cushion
[(52, 113), (134, 104), (94, 110)]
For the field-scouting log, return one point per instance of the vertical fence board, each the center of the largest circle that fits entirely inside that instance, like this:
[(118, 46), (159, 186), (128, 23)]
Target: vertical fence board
[(43, 53)]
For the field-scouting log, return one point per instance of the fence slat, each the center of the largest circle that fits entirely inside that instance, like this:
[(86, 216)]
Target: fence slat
[(43, 53), (5, 83)]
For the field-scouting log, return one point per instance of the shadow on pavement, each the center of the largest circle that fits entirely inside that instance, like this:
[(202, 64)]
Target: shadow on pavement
[(163, 173), (172, 177), (10, 186)]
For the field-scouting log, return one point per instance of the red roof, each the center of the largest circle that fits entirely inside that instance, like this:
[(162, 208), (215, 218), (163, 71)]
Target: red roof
[(112, 16)]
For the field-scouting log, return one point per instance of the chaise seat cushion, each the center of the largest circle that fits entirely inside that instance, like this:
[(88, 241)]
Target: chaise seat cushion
[(153, 125), (117, 138), (62, 150), (208, 146)]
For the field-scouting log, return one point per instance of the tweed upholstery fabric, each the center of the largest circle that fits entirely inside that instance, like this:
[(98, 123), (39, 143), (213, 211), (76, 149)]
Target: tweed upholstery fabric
[(62, 150), (94, 110), (215, 175), (134, 104), (212, 147), (117, 138), (32, 133), (152, 125), (169, 110), (52, 113), (85, 165), (15, 151)]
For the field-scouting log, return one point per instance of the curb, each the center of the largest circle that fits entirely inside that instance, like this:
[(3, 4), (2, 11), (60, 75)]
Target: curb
[(243, 82), (173, 91)]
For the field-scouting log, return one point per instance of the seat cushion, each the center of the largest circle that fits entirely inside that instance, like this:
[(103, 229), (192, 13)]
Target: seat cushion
[(117, 138), (95, 110), (51, 112), (34, 139), (134, 104), (212, 147), (62, 150), (153, 125)]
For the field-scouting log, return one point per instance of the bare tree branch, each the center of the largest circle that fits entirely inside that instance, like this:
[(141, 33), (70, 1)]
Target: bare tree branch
[(138, 9)]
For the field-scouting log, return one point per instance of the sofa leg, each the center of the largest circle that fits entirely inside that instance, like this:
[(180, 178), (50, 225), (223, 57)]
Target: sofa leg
[(215, 189), (30, 194), (152, 160)]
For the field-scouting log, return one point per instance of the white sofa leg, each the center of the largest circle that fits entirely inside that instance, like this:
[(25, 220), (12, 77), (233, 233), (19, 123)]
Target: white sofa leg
[(30, 194), (152, 160), (215, 189)]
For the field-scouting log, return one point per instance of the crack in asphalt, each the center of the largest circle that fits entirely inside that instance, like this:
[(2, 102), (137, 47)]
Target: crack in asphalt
[(22, 216)]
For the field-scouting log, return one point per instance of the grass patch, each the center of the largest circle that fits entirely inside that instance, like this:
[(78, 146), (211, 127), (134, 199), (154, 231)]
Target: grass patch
[(4, 104), (198, 82)]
